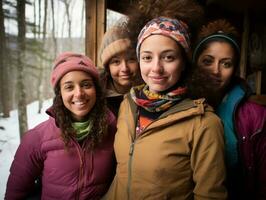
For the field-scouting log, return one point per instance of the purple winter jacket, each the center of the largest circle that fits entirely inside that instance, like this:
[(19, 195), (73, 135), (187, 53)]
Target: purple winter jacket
[(65, 174), (251, 128)]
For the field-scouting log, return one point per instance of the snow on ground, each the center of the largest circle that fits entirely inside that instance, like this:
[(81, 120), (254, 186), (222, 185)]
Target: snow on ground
[(9, 137)]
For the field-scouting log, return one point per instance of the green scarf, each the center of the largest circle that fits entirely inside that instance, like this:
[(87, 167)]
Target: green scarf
[(82, 129)]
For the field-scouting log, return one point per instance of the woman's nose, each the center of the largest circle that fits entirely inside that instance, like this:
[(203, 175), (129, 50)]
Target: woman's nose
[(78, 91), (216, 68), (124, 65), (157, 66)]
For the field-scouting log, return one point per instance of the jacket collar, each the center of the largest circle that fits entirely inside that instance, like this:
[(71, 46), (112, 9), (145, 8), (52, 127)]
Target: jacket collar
[(50, 112), (184, 109)]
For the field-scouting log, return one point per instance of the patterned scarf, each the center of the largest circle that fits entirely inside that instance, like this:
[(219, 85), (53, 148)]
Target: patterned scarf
[(82, 129), (154, 102)]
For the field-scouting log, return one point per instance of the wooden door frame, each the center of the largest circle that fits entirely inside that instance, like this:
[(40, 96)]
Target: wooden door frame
[(95, 27)]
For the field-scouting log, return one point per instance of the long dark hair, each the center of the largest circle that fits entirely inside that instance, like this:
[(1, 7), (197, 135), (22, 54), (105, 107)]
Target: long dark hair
[(201, 82), (63, 118)]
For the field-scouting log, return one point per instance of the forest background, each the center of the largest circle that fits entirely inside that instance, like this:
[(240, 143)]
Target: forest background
[(32, 34)]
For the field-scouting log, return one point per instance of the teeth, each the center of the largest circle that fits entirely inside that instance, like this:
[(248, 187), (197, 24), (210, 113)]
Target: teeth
[(79, 102)]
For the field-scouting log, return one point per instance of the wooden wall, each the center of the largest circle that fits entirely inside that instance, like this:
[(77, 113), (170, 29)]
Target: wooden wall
[(95, 27)]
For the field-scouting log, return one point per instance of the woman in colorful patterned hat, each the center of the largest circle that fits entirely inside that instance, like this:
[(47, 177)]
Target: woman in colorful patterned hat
[(167, 146)]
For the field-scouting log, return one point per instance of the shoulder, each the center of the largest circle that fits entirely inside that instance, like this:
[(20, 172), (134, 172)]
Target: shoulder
[(252, 107), (207, 120), (31, 145), (111, 119), (197, 112), (250, 117), (43, 132), (258, 99), (128, 102), (202, 110)]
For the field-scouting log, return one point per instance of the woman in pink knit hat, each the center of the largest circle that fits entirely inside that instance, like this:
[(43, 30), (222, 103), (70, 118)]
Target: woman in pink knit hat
[(71, 152)]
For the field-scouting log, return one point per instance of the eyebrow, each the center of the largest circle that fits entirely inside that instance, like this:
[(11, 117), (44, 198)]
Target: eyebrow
[(165, 51), (86, 79), (67, 82), (210, 55)]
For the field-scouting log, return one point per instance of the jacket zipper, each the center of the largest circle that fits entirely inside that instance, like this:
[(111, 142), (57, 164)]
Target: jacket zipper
[(81, 167), (131, 150)]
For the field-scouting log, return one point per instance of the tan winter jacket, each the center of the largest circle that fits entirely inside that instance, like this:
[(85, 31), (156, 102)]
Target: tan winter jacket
[(178, 156)]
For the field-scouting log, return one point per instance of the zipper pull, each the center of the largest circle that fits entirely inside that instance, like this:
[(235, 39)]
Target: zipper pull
[(131, 149)]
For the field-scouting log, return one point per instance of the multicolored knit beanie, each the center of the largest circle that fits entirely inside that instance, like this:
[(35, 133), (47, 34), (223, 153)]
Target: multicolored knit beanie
[(114, 42), (67, 62), (173, 28)]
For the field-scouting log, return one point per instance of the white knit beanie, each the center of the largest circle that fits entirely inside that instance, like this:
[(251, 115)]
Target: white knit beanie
[(115, 41)]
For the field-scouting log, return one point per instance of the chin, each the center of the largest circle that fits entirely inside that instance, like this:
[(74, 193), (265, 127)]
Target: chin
[(157, 90), (127, 84), (223, 86)]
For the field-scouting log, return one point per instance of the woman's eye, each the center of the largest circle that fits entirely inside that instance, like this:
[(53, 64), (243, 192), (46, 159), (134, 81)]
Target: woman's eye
[(68, 87), (87, 85), (169, 58), (115, 61), (227, 64), (146, 58), (207, 62)]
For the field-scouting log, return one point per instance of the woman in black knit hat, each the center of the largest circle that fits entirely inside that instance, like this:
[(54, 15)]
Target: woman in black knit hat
[(216, 57)]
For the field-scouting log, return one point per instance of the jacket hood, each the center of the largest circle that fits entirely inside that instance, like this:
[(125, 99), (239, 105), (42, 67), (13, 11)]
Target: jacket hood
[(50, 112)]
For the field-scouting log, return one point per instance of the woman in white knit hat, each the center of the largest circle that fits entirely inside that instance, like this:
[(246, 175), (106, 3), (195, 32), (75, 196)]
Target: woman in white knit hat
[(120, 70)]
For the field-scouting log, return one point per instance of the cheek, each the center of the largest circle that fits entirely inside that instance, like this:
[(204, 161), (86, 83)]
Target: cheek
[(133, 67), (176, 70), (114, 70), (143, 71), (92, 94), (227, 75), (65, 98), (144, 67)]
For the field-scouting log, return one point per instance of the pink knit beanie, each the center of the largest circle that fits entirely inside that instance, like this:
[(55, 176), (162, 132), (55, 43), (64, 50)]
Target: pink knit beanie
[(69, 61)]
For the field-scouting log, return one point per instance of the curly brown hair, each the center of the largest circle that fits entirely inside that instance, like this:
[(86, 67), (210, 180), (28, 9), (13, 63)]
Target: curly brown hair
[(216, 26), (189, 11), (63, 118), (143, 11), (220, 27)]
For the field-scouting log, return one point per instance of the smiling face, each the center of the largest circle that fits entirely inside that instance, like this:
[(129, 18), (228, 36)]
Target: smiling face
[(218, 59), (123, 70), (161, 62), (78, 93)]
